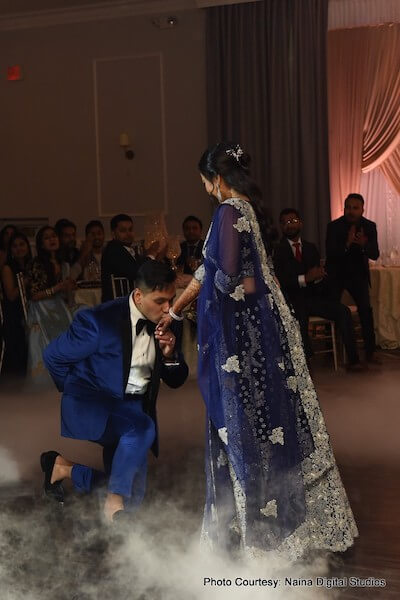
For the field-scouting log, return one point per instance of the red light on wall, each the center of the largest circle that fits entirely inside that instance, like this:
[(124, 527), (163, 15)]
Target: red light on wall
[(14, 73)]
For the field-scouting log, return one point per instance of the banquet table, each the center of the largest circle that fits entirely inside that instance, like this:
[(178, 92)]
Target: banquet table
[(385, 301)]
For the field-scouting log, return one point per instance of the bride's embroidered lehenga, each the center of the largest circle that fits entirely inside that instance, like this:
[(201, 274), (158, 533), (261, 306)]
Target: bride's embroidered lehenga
[(272, 480)]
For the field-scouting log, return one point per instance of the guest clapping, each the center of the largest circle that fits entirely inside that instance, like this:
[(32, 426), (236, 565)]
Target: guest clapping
[(350, 241), (119, 257), (192, 247), (88, 266)]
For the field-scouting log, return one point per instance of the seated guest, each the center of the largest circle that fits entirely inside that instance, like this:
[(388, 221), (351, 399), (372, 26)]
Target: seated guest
[(16, 349), (350, 241), (192, 246), (5, 236), (48, 288), (119, 258), (304, 284), (66, 231), (88, 266)]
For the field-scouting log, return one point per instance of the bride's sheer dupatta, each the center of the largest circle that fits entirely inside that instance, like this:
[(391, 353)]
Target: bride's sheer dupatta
[(259, 434)]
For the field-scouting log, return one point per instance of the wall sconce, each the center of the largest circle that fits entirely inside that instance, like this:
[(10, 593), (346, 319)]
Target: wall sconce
[(165, 22), (126, 146)]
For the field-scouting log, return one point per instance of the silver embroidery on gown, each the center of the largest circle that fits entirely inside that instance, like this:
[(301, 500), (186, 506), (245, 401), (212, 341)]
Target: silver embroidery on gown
[(329, 523)]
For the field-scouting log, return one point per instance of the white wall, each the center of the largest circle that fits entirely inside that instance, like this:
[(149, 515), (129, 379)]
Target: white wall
[(51, 159)]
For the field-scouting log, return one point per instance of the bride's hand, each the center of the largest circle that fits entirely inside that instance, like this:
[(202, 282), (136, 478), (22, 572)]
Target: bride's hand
[(164, 324)]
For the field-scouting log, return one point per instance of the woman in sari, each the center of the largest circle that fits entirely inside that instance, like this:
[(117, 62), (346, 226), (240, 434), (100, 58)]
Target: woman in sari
[(48, 313), (272, 480)]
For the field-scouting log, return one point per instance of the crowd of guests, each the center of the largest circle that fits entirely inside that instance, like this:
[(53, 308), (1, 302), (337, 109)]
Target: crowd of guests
[(312, 287), (48, 280)]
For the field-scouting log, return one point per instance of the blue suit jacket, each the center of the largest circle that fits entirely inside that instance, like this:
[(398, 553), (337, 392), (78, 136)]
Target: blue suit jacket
[(90, 364)]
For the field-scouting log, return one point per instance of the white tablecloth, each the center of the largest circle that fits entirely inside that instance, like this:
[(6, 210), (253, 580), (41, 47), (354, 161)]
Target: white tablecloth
[(385, 301), (88, 296)]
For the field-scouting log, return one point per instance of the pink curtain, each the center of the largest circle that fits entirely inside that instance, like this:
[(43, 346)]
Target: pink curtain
[(364, 105), (391, 169), (361, 13)]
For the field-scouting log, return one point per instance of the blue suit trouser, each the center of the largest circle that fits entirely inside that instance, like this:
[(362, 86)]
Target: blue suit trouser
[(127, 438)]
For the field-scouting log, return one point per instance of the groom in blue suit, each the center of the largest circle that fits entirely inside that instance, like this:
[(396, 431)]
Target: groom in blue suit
[(108, 365)]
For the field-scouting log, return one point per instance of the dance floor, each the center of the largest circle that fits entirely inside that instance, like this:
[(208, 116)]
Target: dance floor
[(69, 554)]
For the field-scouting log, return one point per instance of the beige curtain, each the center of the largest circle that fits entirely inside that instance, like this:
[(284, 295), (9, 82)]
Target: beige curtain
[(364, 105), (391, 169)]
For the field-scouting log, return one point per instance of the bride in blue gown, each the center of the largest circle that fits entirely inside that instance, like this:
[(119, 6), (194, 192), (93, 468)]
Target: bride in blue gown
[(272, 479)]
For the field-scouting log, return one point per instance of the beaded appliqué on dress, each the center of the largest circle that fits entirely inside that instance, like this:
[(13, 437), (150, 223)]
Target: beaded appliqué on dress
[(276, 436), (238, 294), (242, 225), (232, 364), (270, 509), (222, 459)]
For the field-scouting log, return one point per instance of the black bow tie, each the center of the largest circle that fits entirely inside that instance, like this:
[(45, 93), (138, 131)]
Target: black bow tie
[(151, 327)]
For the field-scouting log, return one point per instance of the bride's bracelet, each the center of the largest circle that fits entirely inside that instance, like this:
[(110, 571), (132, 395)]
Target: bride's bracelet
[(174, 316)]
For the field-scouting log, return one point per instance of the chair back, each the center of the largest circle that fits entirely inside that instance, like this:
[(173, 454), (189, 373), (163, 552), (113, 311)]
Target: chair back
[(2, 342), (22, 294), (120, 286)]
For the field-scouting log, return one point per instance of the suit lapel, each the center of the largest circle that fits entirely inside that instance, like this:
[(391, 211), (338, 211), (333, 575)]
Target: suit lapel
[(155, 375), (126, 335), (289, 253)]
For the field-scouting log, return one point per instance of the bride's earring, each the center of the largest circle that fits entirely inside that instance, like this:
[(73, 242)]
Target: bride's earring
[(218, 192)]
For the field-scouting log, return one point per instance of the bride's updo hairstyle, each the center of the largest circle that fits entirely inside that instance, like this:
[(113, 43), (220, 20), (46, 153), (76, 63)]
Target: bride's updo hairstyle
[(230, 162)]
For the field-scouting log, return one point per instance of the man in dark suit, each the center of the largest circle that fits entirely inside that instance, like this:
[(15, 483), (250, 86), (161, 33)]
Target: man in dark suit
[(192, 247), (66, 231), (351, 241), (108, 366), (306, 288), (119, 257)]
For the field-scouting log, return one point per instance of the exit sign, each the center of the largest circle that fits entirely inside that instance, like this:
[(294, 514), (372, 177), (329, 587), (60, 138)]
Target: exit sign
[(14, 73)]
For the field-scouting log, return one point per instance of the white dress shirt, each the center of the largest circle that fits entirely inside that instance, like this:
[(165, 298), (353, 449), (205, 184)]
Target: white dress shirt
[(301, 278), (130, 251), (143, 354)]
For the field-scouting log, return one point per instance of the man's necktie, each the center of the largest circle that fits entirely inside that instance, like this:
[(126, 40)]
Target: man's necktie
[(151, 327), (298, 255)]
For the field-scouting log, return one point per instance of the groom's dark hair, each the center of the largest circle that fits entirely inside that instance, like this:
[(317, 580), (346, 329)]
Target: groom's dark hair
[(154, 275)]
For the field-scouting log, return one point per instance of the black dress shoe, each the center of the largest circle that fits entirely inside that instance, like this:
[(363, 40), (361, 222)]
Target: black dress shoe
[(55, 490), (122, 517)]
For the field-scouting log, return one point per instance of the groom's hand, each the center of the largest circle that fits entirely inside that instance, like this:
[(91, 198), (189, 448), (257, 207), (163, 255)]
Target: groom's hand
[(167, 342)]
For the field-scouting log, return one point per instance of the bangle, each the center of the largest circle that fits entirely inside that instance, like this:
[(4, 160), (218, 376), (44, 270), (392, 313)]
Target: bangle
[(174, 316), (48, 292)]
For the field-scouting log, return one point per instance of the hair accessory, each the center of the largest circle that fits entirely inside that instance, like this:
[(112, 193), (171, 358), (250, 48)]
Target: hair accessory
[(236, 152)]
